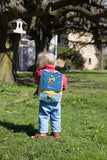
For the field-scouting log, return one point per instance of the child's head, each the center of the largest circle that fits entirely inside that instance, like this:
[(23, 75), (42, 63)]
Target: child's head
[(45, 59)]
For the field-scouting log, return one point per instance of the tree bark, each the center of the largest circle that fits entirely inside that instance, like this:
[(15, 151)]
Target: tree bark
[(6, 74), (8, 58)]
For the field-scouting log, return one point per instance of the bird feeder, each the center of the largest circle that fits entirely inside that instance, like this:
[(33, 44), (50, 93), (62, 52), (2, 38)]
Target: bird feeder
[(17, 26)]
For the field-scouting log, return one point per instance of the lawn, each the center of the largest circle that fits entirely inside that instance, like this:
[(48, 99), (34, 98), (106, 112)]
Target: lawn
[(84, 120)]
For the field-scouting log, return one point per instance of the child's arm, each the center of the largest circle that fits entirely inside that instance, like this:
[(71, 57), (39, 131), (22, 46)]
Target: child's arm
[(64, 82), (37, 77)]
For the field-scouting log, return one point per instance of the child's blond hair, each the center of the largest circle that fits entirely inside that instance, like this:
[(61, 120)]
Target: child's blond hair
[(45, 59)]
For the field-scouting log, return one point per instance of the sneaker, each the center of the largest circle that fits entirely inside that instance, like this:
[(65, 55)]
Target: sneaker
[(39, 135), (55, 134)]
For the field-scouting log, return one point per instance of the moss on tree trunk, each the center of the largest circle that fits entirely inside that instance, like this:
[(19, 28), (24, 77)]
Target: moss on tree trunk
[(8, 52), (6, 74)]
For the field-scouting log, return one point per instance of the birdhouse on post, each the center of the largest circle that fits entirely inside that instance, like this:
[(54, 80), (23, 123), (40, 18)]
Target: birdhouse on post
[(17, 26)]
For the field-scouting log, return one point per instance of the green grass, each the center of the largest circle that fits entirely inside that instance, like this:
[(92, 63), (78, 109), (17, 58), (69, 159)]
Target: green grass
[(84, 122)]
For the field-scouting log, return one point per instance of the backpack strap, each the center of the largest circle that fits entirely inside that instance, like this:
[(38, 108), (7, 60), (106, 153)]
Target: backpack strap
[(49, 71)]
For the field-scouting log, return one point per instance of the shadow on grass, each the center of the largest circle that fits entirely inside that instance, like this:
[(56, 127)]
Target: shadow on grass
[(28, 129), (25, 82), (86, 72), (25, 79)]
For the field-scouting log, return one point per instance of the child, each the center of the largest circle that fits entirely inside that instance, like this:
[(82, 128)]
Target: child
[(48, 110)]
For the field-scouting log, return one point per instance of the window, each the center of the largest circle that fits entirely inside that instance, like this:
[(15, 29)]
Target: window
[(89, 61)]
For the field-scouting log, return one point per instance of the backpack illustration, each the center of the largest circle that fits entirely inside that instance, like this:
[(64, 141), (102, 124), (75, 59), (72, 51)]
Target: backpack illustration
[(50, 89)]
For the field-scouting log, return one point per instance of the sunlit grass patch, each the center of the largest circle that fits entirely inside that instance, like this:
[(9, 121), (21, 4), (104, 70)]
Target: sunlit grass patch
[(83, 120)]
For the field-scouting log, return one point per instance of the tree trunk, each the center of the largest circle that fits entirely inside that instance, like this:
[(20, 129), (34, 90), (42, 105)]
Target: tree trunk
[(42, 43), (8, 51), (101, 58), (6, 74), (42, 37)]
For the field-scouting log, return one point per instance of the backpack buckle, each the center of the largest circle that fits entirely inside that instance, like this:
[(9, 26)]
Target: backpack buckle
[(50, 94)]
